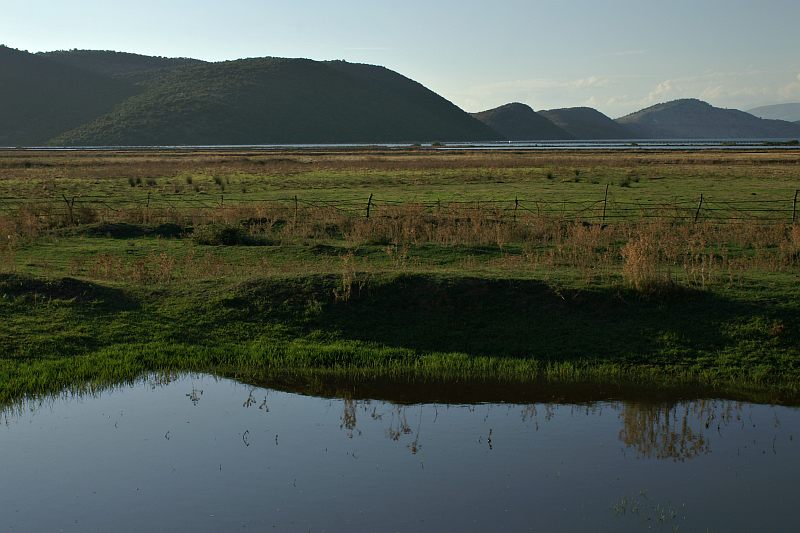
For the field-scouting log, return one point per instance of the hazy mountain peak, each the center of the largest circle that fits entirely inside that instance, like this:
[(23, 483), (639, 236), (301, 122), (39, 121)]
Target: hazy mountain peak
[(519, 122), (789, 111), (690, 118), (585, 123)]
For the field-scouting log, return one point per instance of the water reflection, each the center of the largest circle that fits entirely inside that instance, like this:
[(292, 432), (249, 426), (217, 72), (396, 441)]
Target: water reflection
[(667, 431), (677, 431), (212, 454)]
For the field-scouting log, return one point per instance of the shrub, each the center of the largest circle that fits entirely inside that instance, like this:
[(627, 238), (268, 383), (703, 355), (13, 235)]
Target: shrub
[(640, 262), (218, 234)]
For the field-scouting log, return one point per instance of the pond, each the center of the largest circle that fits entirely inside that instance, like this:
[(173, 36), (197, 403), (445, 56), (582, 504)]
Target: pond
[(201, 453)]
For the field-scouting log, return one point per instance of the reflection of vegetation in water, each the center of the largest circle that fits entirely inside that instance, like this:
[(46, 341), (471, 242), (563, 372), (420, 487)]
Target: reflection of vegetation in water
[(398, 424), (349, 420), (653, 514), (673, 431), (677, 431)]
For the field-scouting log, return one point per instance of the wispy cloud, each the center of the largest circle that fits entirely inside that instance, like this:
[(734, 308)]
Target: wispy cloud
[(368, 48)]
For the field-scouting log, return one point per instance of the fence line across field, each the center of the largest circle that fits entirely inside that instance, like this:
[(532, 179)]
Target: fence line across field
[(604, 208)]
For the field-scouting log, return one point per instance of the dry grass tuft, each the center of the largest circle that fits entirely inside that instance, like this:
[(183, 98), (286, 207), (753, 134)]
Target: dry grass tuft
[(641, 262)]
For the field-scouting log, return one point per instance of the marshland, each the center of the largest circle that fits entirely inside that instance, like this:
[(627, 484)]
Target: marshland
[(229, 324), (676, 268)]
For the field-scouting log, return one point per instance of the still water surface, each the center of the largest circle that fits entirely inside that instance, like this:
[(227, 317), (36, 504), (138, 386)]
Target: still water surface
[(206, 454), (624, 144)]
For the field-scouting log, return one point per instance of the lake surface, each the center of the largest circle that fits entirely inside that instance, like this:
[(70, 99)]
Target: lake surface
[(623, 144), (200, 453)]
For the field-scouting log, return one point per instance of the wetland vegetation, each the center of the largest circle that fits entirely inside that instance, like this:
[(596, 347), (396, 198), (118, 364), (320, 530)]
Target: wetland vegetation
[(414, 265)]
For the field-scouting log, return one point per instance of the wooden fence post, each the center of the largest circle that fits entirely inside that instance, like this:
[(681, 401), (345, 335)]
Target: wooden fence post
[(295, 210), (516, 206), (70, 205), (147, 210), (605, 204), (794, 206), (369, 204), (699, 206)]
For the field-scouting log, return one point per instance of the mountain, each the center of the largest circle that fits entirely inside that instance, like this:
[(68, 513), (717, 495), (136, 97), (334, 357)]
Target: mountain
[(790, 112), (133, 67), (40, 99), (518, 122), (586, 123), (694, 119), (275, 100), (85, 97)]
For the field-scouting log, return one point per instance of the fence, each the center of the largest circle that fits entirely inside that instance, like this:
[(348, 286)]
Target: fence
[(603, 209)]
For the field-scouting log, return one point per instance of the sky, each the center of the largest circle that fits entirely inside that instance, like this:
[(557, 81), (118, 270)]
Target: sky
[(617, 56)]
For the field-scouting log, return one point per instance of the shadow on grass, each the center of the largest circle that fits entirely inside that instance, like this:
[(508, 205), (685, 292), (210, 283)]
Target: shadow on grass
[(100, 297), (521, 318), (124, 230)]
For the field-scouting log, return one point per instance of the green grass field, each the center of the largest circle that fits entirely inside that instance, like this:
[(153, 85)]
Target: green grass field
[(224, 272)]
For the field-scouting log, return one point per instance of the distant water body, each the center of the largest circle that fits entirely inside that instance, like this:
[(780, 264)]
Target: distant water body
[(628, 144)]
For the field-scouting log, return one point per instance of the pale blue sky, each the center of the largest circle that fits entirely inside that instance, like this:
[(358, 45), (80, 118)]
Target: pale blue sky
[(615, 55)]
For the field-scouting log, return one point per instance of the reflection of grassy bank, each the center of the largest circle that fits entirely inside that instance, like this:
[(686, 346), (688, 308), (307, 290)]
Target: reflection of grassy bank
[(61, 333)]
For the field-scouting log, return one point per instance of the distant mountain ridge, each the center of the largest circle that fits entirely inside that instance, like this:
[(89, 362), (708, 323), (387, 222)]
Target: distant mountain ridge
[(40, 99), (93, 98), (788, 112), (694, 119), (103, 98), (586, 123), (118, 64), (519, 122)]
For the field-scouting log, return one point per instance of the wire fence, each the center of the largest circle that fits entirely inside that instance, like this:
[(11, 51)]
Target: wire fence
[(603, 209)]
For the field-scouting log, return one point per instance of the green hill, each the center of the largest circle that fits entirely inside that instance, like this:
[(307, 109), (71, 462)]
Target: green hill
[(123, 65), (40, 98), (586, 123), (518, 122), (88, 98), (273, 101), (694, 119)]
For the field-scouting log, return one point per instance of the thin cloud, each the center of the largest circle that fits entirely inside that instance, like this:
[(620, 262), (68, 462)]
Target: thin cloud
[(368, 48)]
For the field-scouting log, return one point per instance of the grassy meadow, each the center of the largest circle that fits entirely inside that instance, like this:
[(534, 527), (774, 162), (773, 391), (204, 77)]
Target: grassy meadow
[(515, 267)]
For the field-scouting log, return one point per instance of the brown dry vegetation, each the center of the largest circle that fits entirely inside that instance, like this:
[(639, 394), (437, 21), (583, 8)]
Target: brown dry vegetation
[(116, 164), (648, 254)]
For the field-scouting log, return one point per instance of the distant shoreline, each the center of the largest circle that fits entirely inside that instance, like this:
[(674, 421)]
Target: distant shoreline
[(670, 145)]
